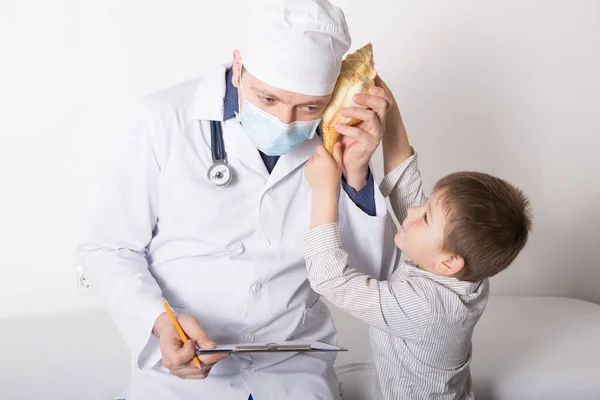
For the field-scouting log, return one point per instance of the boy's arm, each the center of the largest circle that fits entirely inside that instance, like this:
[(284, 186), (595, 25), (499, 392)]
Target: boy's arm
[(402, 181), (404, 187), (396, 148), (397, 306)]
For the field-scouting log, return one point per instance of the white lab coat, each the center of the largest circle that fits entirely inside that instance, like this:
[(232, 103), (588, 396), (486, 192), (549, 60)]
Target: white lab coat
[(226, 255)]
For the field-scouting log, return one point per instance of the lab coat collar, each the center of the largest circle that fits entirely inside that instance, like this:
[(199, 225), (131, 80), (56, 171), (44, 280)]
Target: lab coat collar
[(208, 105), (238, 145), (208, 101)]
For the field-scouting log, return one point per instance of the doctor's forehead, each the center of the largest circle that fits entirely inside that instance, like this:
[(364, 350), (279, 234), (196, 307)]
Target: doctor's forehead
[(261, 88)]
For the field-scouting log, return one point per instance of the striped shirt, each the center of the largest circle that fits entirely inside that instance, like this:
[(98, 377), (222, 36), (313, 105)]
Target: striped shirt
[(421, 323)]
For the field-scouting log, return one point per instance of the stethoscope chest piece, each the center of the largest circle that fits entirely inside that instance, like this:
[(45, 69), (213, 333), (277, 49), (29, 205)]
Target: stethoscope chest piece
[(219, 174)]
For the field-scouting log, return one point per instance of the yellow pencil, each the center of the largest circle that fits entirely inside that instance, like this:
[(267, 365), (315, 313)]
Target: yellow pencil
[(182, 335)]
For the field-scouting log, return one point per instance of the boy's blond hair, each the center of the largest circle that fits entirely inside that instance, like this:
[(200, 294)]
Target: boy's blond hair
[(488, 221)]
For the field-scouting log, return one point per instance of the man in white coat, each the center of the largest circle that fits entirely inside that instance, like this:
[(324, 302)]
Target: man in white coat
[(226, 257)]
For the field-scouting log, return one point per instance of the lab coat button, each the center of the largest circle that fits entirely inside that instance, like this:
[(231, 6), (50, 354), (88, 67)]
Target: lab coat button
[(266, 243), (256, 287), (249, 371), (249, 338)]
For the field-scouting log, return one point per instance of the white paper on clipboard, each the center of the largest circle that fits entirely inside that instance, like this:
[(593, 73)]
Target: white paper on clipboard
[(292, 346)]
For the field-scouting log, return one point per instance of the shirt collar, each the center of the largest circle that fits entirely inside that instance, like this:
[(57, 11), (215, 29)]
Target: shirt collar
[(454, 284), (230, 102)]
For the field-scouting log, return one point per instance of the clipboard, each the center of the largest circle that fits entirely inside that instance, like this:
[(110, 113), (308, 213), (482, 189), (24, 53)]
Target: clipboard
[(292, 346)]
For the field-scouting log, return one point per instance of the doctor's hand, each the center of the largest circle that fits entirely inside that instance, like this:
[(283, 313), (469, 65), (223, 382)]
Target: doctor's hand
[(177, 356), (323, 173), (361, 140)]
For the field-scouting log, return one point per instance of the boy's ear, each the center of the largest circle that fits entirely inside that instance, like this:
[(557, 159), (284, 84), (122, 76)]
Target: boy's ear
[(451, 265)]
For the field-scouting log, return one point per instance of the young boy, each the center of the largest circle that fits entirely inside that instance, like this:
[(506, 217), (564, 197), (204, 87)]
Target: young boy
[(472, 227)]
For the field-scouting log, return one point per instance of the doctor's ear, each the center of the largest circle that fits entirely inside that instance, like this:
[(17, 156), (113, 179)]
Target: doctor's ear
[(237, 68)]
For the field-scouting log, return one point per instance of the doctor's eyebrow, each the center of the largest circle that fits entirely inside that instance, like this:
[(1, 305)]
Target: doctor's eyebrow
[(266, 93)]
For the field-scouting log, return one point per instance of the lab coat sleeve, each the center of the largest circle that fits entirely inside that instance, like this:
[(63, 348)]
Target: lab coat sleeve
[(368, 239), (397, 306), (113, 252)]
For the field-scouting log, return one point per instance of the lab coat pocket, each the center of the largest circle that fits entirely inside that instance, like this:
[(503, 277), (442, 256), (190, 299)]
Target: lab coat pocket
[(318, 325)]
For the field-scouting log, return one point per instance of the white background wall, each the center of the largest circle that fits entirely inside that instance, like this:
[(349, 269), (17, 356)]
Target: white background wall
[(509, 87)]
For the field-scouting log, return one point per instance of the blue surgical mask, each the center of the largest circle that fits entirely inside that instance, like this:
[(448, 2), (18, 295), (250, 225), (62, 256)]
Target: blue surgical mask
[(269, 134)]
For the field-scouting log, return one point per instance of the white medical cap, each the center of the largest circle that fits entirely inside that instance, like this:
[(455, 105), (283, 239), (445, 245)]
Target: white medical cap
[(296, 45)]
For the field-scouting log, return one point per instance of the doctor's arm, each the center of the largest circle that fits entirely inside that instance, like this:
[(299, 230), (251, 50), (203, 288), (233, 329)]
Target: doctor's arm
[(113, 252), (364, 198)]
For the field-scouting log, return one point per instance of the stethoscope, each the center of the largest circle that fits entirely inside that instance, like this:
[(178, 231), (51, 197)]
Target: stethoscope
[(219, 173)]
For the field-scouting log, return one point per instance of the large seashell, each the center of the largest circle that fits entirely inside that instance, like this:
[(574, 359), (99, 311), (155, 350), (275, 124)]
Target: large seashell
[(357, 76)]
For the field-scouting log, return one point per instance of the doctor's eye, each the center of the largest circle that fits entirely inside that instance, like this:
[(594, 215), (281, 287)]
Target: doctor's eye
[(310, 108), (267, 100)]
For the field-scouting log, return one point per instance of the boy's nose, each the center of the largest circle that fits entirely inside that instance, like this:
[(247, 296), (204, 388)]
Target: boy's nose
[(411, 213), (413, 216)]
